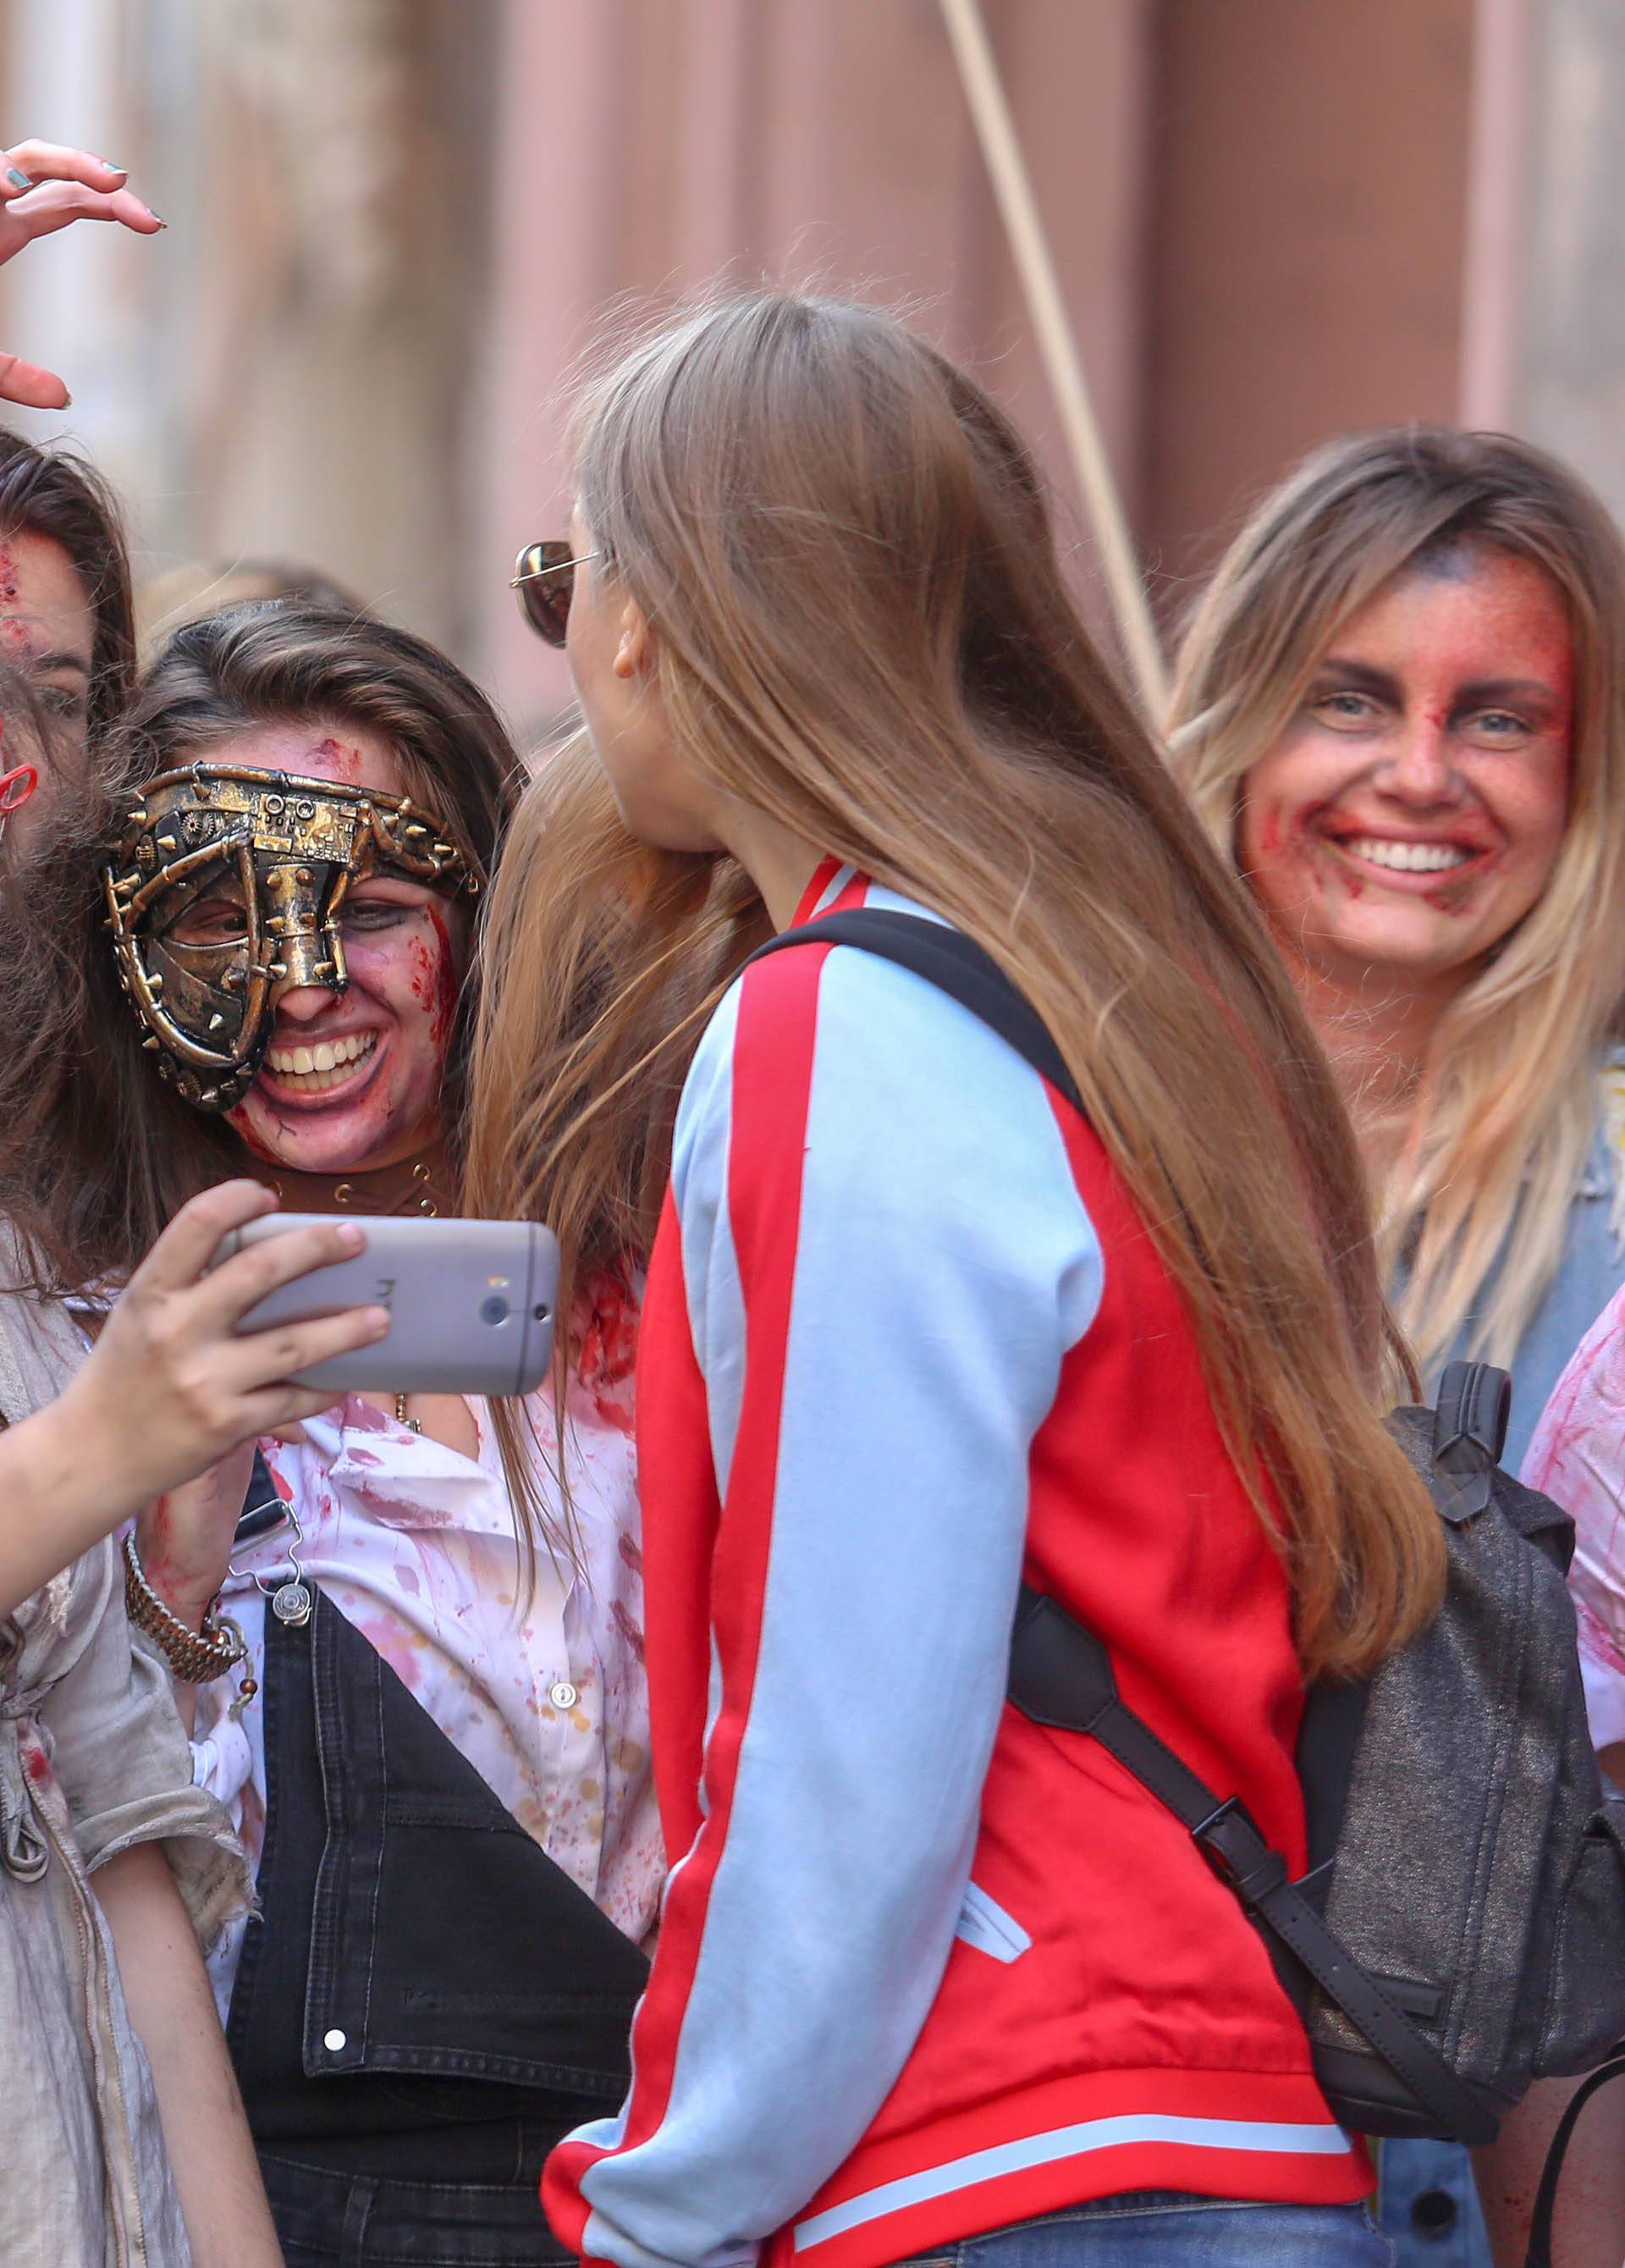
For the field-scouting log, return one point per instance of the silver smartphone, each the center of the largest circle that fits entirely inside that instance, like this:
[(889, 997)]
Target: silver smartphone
[(470, 1301)]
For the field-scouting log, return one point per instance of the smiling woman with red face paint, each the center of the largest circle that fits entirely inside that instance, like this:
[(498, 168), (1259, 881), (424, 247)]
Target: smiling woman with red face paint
[(1411, 815), (299, 994), (351, 1080), (1400, 708)]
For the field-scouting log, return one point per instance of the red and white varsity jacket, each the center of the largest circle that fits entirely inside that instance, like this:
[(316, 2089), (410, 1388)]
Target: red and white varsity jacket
[(926, 1968)]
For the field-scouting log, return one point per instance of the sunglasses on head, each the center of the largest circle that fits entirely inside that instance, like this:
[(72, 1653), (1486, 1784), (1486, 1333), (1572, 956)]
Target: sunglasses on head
[(544, 576)]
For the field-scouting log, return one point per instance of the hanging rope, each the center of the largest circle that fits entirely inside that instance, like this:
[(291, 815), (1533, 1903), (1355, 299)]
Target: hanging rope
[(1013, 188)]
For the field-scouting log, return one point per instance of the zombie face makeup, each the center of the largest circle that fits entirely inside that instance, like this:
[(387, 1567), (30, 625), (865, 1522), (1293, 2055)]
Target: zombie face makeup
[(47, 633), (293, 932), (1412, 813)]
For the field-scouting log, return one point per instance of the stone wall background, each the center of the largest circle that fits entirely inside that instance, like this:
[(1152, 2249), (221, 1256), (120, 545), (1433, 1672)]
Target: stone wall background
[(396, 223)]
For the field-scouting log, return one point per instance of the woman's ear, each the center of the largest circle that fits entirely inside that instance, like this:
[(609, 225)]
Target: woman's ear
[(634, 653)]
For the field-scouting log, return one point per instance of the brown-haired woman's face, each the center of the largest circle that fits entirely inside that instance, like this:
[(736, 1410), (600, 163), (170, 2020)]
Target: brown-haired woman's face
[(353, 1079), (1413, 811), (47, 633)]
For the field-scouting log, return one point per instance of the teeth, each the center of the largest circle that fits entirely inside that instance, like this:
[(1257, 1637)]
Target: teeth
[(324, 1066), (1407, 858)]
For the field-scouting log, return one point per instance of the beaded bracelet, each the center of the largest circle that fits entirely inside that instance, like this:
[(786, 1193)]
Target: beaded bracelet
[(195, 1656)]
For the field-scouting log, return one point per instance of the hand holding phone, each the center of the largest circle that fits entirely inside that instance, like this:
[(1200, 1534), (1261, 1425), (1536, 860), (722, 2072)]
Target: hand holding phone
[(171, 1385)]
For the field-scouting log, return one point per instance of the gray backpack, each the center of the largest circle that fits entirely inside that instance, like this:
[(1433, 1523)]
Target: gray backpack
[(1479, 1873), (1460, 1929)]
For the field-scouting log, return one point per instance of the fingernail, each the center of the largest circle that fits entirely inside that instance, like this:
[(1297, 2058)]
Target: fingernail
[(19, 180), (159, 218), (108, 165), (67, 402), (379, 1319), (353, 1236)]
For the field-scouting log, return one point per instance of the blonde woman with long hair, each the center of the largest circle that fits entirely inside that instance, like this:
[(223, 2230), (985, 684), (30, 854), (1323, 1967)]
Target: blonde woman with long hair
[(1400, 710), (915, 1326)]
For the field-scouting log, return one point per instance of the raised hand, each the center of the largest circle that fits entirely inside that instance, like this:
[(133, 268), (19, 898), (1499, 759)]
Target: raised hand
[(43, 186)]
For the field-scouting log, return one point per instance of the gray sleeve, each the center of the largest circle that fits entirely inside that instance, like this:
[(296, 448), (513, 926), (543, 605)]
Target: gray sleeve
[(124, 1764)]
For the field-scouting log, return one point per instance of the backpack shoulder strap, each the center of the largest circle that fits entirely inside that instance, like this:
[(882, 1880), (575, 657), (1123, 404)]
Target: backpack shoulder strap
[(955, 963), (1060, 1676), (1540, 2252)]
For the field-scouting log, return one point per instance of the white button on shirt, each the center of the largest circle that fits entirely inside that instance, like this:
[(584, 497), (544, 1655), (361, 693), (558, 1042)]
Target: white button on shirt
[(548, 1700)]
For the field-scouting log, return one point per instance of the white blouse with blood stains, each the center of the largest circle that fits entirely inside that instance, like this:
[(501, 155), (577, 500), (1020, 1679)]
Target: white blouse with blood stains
[(415, 1542)]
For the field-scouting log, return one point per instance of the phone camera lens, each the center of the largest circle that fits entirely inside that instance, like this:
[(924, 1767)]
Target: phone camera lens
[(542, 1311), (494, 1310)]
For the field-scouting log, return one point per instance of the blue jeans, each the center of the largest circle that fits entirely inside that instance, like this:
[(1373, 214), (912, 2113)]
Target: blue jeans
[(1165, 2228), (1429, 2206)]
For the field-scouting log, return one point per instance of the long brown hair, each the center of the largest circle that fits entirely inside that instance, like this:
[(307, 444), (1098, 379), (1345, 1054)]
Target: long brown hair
[(96, 1152), (1509, 1096), (862, 631)]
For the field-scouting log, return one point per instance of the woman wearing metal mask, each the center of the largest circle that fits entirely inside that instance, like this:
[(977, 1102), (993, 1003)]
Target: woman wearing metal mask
[(456, 1725)]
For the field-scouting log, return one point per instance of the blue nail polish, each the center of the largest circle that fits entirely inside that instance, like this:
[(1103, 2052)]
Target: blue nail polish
[(19, 180)]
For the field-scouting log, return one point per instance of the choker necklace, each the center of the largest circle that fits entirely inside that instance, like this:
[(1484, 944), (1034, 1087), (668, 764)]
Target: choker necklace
[(423, 1184)]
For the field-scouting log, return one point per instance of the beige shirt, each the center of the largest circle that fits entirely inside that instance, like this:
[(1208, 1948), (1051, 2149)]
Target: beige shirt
[(93, 1762)]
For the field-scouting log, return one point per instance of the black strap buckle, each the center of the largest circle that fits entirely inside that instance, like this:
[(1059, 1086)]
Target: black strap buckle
[(1232, 1842)]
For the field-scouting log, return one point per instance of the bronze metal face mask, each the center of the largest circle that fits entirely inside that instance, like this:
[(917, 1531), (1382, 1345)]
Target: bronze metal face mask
[(284, 851)]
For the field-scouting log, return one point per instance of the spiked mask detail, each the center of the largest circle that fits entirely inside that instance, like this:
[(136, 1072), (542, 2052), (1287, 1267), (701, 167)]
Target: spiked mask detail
[(283, 851)]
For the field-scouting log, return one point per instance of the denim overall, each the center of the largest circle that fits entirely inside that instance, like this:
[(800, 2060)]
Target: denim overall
[(425, 2002)]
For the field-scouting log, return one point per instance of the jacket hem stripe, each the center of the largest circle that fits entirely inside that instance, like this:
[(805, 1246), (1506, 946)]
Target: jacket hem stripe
[(1265, 2138)]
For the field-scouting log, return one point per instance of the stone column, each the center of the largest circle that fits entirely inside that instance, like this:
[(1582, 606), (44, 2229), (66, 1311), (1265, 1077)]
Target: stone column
[(1567, 385)]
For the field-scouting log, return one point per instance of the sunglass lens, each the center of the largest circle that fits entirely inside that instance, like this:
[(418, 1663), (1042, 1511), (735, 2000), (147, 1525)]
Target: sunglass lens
[(548, 579)]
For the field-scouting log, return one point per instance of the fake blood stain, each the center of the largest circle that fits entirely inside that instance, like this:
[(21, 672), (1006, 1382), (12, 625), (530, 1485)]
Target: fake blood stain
[(241, 1124), (444, 1003), (17, 630), (331, 759)]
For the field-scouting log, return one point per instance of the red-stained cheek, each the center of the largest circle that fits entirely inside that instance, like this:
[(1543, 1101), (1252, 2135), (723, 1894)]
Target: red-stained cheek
[(1451, 898), (241, 1124), (446, 986), (424, 978)]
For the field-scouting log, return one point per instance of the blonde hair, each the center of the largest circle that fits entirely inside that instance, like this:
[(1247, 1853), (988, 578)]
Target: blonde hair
[(861, 630), (1476, 1207)]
